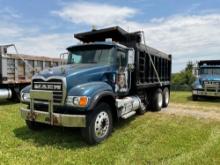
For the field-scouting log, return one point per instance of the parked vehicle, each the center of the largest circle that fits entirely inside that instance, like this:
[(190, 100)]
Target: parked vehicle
[(111, 75), (17, 70), (208, 79)]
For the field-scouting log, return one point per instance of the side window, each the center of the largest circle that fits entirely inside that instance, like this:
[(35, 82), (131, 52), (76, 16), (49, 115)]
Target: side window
[(76, 59), (121, 58)]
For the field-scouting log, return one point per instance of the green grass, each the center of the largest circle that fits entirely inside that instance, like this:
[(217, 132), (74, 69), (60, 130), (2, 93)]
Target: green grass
[(154, 138), (186, 98)]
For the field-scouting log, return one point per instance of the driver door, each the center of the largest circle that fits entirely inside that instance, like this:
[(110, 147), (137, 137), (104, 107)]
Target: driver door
[(122, 75)]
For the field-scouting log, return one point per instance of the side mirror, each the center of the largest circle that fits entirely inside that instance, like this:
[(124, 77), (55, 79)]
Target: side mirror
[(62, 57), (131, 57), (195, 71)]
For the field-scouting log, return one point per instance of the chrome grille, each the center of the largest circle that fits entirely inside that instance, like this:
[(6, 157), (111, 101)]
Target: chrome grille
[(55, 85), (211, 85)]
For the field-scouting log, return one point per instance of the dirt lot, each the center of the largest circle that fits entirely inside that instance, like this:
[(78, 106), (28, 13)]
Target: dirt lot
[(198, 112)]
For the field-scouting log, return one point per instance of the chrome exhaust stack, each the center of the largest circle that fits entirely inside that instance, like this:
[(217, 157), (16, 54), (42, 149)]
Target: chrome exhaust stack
[(5, 94)]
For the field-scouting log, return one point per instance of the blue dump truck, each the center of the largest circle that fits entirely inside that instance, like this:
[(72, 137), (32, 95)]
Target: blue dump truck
[(110, 75), (207, 83)]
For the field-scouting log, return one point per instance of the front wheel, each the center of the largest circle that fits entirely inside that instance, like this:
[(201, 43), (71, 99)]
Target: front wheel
[(99, 125), (194, 97)]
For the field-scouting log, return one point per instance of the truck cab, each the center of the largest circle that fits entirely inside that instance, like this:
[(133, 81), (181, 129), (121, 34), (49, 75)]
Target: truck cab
[(104, 80), (208, 80)]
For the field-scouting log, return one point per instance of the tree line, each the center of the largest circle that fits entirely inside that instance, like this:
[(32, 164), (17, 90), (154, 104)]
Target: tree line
[(184, 77)]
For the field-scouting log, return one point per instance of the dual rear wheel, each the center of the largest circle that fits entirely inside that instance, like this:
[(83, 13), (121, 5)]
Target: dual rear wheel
[(160, 99)]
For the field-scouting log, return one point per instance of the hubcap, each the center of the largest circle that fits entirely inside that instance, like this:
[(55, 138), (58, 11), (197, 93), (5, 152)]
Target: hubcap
[(101, 124), (160, 99)]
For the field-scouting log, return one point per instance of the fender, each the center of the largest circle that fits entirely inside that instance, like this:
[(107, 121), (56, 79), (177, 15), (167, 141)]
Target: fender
[(26, 89), (93, 90), (197, 84), (98, 97)]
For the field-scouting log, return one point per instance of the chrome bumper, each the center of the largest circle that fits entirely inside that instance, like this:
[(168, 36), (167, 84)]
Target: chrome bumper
[(50, 117), (206, 93)]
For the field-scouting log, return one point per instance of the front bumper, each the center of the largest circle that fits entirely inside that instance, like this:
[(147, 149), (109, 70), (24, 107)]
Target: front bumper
[(55, 119), (50, 117), (206, 93)]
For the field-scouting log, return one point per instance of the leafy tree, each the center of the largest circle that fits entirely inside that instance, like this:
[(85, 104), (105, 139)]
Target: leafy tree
[(184, 77)]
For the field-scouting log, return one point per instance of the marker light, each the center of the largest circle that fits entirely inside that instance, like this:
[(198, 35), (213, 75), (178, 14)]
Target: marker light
[(80, 101), (83, 101)]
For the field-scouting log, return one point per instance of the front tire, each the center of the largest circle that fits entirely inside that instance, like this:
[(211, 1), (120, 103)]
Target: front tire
[(99, 124), (194, 97)]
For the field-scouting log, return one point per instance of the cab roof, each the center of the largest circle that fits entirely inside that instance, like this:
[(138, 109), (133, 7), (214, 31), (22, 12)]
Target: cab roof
[(209, 63), (115, 33), (109, 44)]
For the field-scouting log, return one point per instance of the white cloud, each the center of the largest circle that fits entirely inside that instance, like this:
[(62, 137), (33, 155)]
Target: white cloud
[(186, 36), (95, 14), (45, 45), (29, 40), (191, 37), (50, 45), (6, 31), (8, 12)]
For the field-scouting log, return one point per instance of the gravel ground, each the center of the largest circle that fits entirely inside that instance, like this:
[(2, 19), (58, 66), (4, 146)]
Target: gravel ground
[(193, 111)]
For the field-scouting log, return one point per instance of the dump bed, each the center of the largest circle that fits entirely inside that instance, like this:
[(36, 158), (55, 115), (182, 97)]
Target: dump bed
[(153, 67), (16, 69)]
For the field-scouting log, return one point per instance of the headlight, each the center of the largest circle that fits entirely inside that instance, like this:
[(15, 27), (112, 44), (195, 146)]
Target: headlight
[(78, 101), (25, 97)]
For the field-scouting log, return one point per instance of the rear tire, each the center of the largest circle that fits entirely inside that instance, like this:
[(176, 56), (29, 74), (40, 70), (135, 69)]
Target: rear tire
[(99, 124), (157, 100), (166, 97)]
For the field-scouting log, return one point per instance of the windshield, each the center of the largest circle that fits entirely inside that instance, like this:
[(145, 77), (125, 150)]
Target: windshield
[(98, 54), (210, 71)]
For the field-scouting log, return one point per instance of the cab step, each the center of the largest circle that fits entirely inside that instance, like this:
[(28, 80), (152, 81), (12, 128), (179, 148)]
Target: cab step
[(129, 114)]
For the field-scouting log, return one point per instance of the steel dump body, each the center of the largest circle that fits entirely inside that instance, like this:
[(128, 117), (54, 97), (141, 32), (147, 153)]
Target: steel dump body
[(16, 71)]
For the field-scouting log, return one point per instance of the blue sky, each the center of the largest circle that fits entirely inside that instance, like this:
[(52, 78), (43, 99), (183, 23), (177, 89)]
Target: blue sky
[(187, 29)]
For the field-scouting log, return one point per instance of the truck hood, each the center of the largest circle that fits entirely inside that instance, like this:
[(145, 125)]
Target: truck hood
[(67, 70), (78, 73)]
